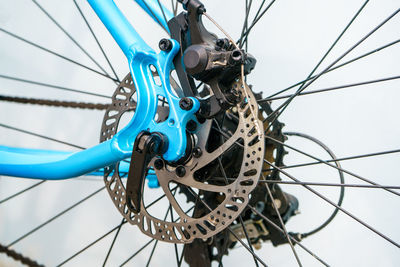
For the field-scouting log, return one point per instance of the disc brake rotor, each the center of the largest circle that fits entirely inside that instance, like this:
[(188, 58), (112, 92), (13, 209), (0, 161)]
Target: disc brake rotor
[(232, 193)]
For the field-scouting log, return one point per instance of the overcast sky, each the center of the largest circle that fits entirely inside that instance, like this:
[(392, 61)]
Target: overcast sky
[(288, 42)]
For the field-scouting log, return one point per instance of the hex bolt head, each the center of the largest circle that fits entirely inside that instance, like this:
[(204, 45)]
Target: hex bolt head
[(222, 43), (186, 103), (191, 126), (158, 164), (180, 171), (197, 152), (165, 44)]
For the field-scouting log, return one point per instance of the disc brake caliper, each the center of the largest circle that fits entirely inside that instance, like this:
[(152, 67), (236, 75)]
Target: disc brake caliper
[(213, 61)]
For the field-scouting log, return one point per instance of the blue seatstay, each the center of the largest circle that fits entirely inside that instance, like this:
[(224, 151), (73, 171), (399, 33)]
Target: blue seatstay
[(44, 164)]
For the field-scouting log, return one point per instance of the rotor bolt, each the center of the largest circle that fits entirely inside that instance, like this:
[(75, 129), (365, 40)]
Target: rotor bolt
[(197, 152), (165, 45), (158, 164), (186, 103), (191, 126), (180, 171)]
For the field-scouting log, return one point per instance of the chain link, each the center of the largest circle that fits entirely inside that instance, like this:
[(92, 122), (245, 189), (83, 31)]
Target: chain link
[(54, 103), (19, 257)]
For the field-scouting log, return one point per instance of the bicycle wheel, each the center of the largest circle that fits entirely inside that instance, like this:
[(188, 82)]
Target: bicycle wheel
[(54, 222)]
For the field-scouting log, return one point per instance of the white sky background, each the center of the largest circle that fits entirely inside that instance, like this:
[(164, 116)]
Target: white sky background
[(288, 41)]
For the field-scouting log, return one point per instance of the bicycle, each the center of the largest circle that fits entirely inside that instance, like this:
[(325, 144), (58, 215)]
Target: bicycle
[(224, 141)]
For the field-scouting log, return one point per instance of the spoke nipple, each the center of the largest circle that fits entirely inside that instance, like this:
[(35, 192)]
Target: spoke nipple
[(165, 45), (158, 164), (186, 103), (197, 152), (180, 171)]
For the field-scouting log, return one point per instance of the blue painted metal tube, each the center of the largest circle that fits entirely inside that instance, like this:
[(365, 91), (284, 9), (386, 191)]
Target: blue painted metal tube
[(155, 12), (54, 165), (117, 24)]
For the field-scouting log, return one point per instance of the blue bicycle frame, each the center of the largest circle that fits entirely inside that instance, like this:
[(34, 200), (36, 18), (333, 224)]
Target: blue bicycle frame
[(45, 164)]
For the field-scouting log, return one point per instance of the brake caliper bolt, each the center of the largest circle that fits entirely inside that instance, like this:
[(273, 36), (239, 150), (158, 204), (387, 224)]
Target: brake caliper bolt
[(180, 171), (197, 152), (186, 103), (158, 164), (191, 126), (165, 45)]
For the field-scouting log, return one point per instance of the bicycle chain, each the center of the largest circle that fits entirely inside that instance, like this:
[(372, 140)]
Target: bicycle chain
[(54, 103), (19, 257), (45, 102)]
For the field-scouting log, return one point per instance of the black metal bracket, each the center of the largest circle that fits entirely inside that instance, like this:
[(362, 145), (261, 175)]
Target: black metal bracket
[(146, 146), (207, 58)]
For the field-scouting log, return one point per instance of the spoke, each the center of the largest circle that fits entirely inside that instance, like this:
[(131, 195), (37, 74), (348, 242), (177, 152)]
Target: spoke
[(52, 86), (328, 184), (154, 16), (152, 253), (148, 243), (336, 41), (159, 198), (97, 41), (155, 244), (233, 233), (181, 258), (282, 223), (55, 53), (375, 185), (174, 10), (313, 183), (331, 165), (113, 242), (246, 20), (40, 136), (348, 158), (137, 252), (335, 205), (221, 167), (334, 68), (91, 244), (22, 191), (55, 217), (291, 238), (256, 19), (175, 245), (275, 115), (340, 159), (334, 88), (71, 38), (162, 10)]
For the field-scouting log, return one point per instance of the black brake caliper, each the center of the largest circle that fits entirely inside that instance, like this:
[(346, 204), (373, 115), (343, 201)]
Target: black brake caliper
[(207, 59)]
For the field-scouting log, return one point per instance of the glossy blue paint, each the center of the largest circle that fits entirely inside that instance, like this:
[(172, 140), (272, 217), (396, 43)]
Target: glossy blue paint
[(55, 164), (62, 165)]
